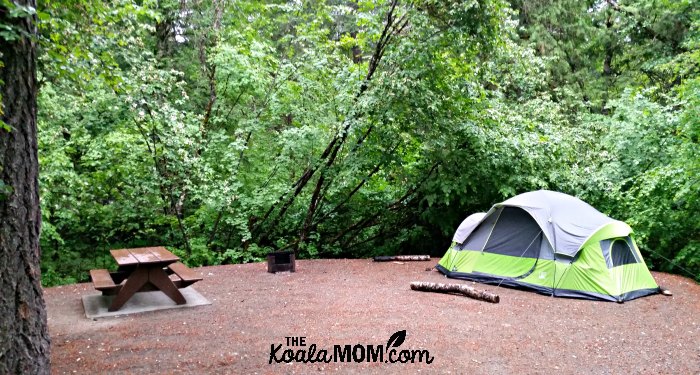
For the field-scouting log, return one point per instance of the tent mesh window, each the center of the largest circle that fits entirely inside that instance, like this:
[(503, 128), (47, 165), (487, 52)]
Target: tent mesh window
[(619, 251)]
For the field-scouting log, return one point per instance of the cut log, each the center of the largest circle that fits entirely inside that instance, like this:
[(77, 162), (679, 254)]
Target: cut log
[(455, 289), (402, 258)]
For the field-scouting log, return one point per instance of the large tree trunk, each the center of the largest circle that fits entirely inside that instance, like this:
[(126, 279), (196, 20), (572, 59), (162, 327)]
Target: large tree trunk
[(24, 338)]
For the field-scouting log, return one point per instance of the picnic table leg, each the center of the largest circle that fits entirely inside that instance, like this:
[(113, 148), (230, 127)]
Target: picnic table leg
[(160, 279), (136, 280)]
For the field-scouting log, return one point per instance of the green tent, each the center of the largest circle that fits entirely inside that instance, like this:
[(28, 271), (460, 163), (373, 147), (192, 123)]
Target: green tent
[(552, 243)]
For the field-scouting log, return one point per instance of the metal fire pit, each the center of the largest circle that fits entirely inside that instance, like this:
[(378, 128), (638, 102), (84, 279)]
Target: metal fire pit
[(281, 262)]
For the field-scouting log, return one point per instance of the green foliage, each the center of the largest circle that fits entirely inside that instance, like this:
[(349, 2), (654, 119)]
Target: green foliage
[(359, 128), (5, 190), (644, 171), (11, 13)]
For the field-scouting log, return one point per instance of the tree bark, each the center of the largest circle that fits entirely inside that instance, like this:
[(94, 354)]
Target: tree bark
[(455, 288), (404, 258), (164, 35), (24, 338)]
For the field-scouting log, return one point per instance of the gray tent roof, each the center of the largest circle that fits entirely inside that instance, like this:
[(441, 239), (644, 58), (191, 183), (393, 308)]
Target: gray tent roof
[(566, 221)]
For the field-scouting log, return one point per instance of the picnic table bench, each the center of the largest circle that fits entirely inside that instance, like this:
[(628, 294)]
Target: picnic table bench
[(143, 269)]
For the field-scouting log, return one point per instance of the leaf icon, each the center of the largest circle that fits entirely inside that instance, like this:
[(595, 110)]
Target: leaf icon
[(396, 339)]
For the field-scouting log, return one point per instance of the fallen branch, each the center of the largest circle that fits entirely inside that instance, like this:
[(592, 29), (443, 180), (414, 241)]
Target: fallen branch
[(455, 288), (402, 258)]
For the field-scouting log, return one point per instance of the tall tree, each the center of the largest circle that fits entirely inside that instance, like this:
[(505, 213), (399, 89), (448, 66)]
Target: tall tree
[(24, 338)]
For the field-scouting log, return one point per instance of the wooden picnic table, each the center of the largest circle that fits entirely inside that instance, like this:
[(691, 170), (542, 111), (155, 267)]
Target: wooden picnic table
[(141, 269)]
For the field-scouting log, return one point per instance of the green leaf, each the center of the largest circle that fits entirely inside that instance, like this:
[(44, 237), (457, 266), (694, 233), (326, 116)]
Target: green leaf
[(5, 190), (21, 11), (43, 16)]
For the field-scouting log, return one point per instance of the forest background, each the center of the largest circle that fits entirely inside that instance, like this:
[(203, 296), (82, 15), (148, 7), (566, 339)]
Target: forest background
[(228, 129)]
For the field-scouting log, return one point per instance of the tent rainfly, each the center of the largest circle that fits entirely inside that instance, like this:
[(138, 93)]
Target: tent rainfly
[(552, 243)]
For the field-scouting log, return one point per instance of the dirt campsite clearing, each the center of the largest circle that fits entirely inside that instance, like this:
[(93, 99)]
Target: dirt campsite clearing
[(350, 308)]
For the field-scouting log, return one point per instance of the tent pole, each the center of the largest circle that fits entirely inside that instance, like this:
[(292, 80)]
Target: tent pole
[(492, 228), (554, 251), (554, 280)]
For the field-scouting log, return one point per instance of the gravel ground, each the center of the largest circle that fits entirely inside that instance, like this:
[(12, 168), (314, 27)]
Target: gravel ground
[(350, 302)]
